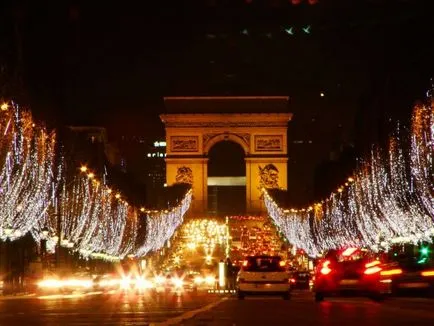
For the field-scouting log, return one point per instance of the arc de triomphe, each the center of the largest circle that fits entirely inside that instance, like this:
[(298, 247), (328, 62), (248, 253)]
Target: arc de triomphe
[(262, 136)]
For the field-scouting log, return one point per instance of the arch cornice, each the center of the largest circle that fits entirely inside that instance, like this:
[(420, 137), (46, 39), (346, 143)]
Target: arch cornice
[(225, 120), (211, 140)]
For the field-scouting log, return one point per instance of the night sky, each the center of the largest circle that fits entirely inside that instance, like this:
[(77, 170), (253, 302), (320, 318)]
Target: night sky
[(110, 63)]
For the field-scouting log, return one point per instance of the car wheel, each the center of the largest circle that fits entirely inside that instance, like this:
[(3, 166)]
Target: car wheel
[(319, 296), (240, 295), (287, 296)]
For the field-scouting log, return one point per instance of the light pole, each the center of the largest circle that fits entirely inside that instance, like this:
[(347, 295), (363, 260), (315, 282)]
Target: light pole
[(8, 230), (59, 237), (44, 235)]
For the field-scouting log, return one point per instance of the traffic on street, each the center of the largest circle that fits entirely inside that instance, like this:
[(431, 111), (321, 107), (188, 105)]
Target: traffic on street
[(202, 308)]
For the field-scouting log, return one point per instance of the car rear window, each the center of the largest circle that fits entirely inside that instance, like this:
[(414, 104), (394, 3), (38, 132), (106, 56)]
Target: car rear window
[(350, 255), (263, 264)]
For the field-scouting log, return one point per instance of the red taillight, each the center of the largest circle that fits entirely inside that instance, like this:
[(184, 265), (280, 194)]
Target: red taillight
[(428, 273), (325, 270), (292, 280), (372, 267), (389, 272)]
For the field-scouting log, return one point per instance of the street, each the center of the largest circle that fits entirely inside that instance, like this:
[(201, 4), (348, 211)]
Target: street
[(210, 309), (302, 310), (98, 309)]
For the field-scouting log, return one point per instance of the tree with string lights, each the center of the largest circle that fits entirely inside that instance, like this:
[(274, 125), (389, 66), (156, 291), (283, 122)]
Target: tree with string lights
[(390, 198), (28, 172)]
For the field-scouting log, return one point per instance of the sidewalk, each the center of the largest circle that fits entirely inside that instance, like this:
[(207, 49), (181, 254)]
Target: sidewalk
[(21, 292), (17, 295)]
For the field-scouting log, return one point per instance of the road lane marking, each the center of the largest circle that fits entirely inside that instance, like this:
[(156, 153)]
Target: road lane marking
[(188, 315)]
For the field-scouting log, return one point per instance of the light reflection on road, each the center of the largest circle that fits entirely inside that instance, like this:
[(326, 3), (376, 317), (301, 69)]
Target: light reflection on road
[(67, 296)]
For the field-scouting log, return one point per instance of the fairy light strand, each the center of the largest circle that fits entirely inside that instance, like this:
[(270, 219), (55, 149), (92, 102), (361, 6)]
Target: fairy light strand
[(161, 225), (389, 199), (27, 153), (93, 219)]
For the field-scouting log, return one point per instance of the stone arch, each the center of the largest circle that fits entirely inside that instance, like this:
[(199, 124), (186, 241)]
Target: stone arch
[(227, 137), (262, 136)]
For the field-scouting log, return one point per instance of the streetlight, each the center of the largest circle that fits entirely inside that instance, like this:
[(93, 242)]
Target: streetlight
[(4, 106), (8, 231)]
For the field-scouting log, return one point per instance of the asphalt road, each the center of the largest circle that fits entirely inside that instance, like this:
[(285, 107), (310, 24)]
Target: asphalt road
[(99, 309), (207, 309), (302, 310)]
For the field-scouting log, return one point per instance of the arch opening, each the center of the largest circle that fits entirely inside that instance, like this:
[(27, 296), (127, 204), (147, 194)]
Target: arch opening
[(226, 179)]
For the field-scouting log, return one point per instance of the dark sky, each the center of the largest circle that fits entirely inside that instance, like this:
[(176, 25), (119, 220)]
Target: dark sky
[(84, 59), (111, 62)]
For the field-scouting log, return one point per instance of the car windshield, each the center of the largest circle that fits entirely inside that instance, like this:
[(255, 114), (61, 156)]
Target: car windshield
[(263, 264)]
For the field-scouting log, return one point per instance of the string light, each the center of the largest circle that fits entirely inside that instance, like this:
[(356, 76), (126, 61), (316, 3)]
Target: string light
[(93, 219), (27, 175), (197, 240), (160, 226), (422, 149), (381, 204)]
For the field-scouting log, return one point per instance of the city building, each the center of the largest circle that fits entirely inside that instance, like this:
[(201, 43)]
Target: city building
[(89, 146), (144, 159)]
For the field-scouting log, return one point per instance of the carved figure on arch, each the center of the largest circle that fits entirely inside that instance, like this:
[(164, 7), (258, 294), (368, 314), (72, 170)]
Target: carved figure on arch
[(184, 175), (269, 176)]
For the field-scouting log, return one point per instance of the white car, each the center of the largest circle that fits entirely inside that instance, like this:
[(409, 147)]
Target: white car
[(263, 275)]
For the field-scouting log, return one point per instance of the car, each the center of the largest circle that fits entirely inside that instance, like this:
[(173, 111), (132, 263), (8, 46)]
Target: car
[(410, 270), (350, 271), (189, 283), (263, 275), (300, 280)]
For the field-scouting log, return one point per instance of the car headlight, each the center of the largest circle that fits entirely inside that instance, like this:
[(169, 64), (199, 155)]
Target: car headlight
[(177, 282)]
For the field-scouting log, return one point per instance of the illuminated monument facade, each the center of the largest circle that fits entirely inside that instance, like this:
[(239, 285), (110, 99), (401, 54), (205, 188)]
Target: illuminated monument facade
[(257, 124)]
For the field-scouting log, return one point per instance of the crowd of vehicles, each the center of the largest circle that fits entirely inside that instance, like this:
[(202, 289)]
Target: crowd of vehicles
[(404, 270), (127, 283)]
